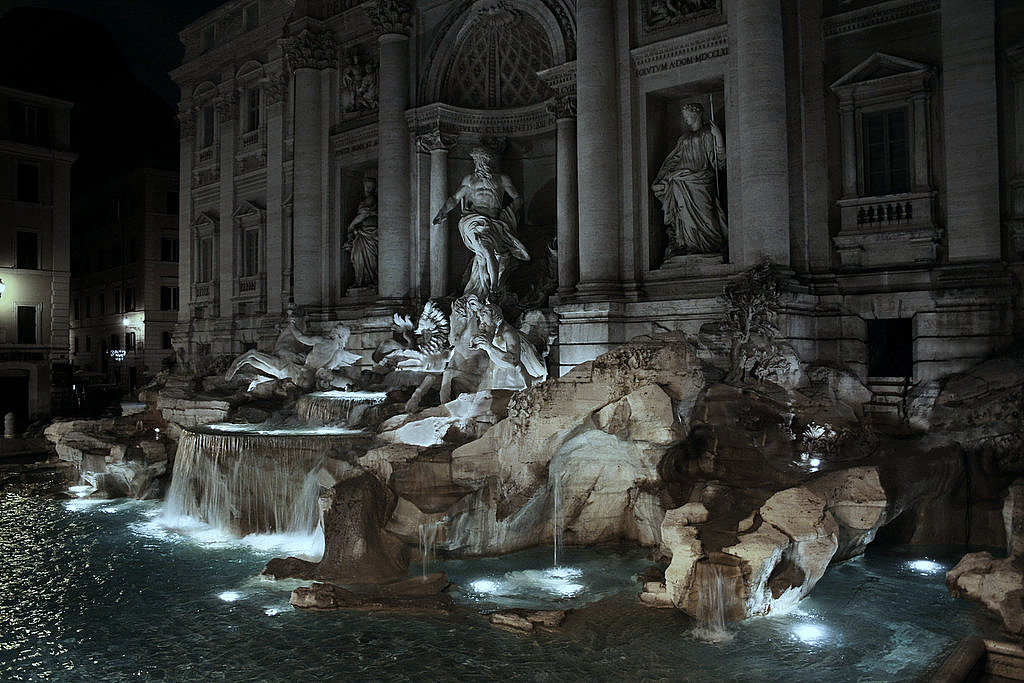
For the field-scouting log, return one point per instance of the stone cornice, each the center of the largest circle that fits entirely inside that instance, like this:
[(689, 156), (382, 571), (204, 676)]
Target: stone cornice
[(676, 52), (480, 122), (882, 13), (561, 78)]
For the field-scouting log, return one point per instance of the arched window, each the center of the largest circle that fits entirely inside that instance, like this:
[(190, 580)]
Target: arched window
[(497, 60)]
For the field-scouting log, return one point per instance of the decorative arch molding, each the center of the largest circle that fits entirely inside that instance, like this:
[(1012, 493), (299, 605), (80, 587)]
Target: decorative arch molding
[(250, 71), (555, 18), (205, 90)]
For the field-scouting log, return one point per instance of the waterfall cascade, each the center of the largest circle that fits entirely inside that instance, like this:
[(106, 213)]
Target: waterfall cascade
[(556, 516), (713, 606), (349, 408), (428, 543), (248, 482)]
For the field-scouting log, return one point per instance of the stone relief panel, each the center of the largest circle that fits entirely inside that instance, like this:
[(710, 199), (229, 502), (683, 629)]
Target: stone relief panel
[(660, 14), (359, 83)]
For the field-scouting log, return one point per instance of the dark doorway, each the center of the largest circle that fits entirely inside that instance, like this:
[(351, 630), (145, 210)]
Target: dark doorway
[(890, 348), (14, 396)]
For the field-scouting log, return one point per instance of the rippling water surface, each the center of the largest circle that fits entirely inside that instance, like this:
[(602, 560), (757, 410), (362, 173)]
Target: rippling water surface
[(98, 591)]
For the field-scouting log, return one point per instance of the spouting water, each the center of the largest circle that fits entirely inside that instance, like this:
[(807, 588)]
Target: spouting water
[(712, 604), (428, 543), (556, 517)]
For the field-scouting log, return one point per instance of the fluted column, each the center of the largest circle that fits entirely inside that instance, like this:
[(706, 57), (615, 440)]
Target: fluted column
[(392, 21), (307, 55), (761, 91), (227, 122), (187, 126), (437, 145), (598, 148), (564, 110)]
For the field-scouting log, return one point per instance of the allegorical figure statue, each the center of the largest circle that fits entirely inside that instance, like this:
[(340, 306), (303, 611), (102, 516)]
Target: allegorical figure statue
[(487, 225), (686, 185), (361, 240)]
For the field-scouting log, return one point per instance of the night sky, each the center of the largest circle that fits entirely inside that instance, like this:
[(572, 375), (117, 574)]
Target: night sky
[(146, 31)]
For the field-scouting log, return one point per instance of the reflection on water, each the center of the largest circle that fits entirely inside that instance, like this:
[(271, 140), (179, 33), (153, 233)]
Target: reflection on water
[(94, 592)]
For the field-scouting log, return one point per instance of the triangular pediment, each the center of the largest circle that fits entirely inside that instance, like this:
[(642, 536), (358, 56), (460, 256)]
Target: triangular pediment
[(204, 219), (879, 66), (248, 208)]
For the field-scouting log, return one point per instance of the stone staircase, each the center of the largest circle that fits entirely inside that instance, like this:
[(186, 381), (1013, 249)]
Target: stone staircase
[(887, 404)]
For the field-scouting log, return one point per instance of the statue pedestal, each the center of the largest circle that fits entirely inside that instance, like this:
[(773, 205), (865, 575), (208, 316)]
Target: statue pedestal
[(695, 263), (368, 293)]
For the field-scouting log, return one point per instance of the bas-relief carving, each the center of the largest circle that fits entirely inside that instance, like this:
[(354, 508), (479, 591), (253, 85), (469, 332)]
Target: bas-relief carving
[(659, 14), (311, 51), (361, 240), (187, 123), (687, 186), (227, 106), (562, 107), (359, 84), (275, 89), (488, 224)]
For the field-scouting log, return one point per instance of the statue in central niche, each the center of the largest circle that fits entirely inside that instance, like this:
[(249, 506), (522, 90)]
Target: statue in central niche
[(687, 186), (488, 224)]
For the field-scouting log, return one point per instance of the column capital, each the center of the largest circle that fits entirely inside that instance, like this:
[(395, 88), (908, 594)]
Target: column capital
[(227, 106), (434, 140), (310, 50), (275, 88), (562, 106), (391, 17), (187, 122)]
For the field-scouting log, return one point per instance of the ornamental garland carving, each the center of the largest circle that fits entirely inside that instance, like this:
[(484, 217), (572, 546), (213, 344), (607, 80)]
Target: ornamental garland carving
[(391, 16), (227, 106), (187, 123), (311, 51), (276, 88), (434, 140), (562, 106)]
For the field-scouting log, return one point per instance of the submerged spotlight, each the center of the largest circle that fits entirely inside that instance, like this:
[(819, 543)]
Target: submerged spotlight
[(810, 633), (484, 586), (230, 596), (925, 566)]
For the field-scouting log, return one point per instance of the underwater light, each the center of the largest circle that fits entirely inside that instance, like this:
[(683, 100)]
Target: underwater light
[(484, 586), (271, 611), (810, 633), (230, 596), (925, 566), (814, 462)]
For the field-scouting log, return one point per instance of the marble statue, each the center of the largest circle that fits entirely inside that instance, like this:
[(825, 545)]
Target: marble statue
[(487, 352), (487, 225), (361, 241), (318, 367), (687, 187)]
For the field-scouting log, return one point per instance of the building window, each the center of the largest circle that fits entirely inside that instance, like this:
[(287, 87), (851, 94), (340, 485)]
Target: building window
[(251, 252), (103, 303), (115, 341), (168, 298), (172, 203), (252, 16), (252, 110), (27, 324), (29, 124), (27, 250), (165, 340), (28, 183), (886, 154), (206, 259), (117, 301), (115, 255), (129, 341), (169, 249), (130, 256), (75, 344), (209, 121), (209, 37), (88, 307), (77, 309), (88, 344), (129, 299)]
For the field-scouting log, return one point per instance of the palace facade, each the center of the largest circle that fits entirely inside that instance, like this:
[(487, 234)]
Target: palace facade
[(873, 151)]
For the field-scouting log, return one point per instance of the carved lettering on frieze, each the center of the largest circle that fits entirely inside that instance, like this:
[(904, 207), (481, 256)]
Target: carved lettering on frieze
[(311, 50), (391, 16), (672, 54), (434, 140), (562, 107)]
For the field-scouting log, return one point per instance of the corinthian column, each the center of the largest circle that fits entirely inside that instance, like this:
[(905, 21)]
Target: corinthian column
[(761, 69), (392, 19), (563, 108), (438, 145), (598, 148), (307, 55)]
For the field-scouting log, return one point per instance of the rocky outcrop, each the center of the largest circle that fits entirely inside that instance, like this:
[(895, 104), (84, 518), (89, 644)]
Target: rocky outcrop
[(429, 594), (997, 583)]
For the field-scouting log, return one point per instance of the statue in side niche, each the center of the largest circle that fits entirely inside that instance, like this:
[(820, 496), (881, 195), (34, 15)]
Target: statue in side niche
[(319, 366), (361, 240), (687, 186), (488, 224)]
